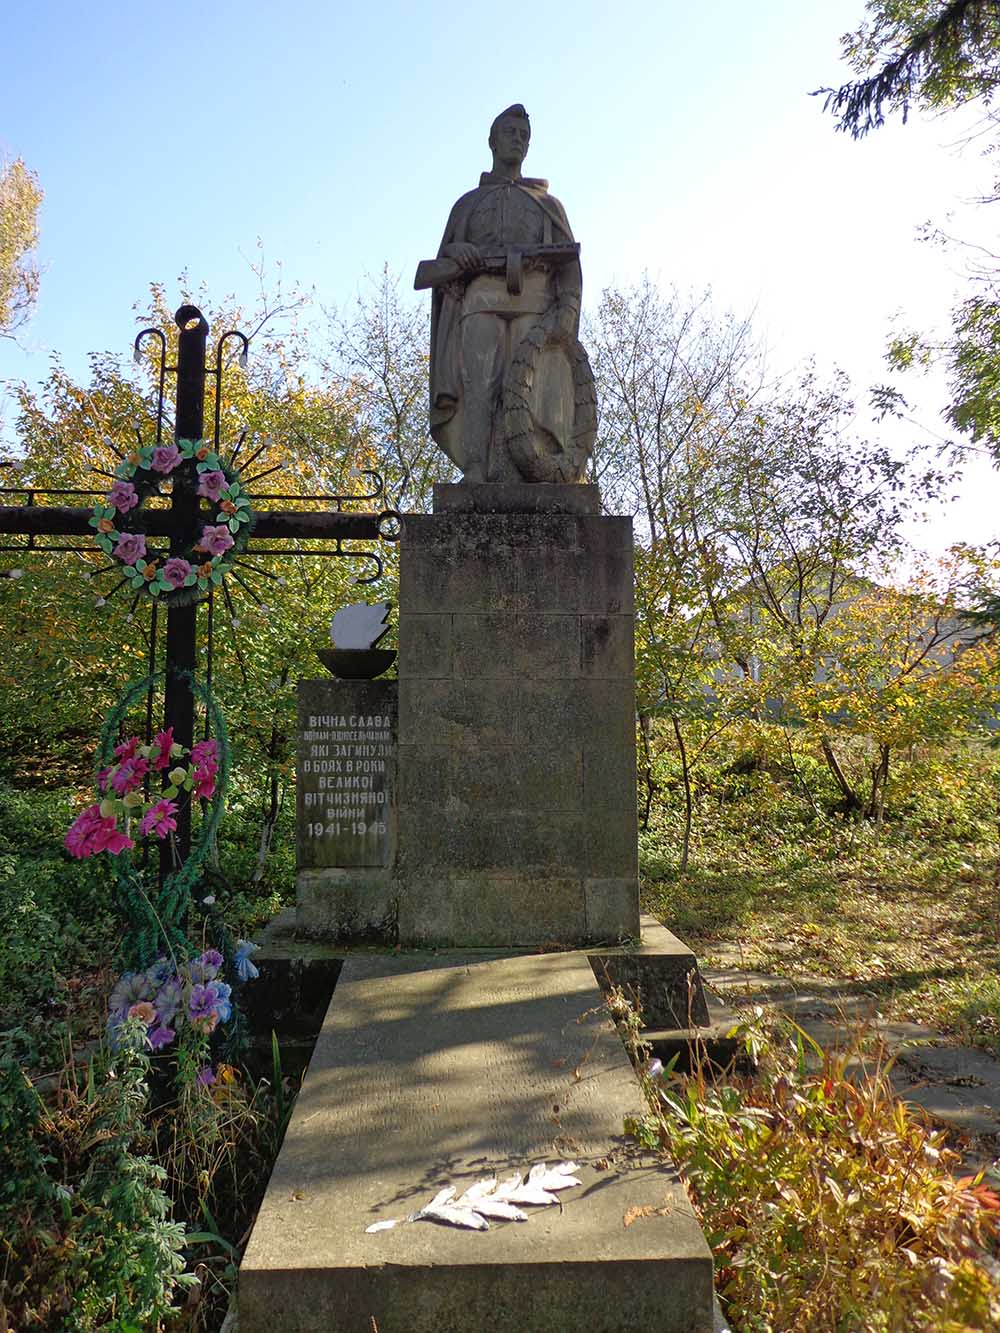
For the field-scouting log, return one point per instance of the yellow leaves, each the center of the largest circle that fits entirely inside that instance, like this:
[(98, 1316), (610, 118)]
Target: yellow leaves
[(20, 197)]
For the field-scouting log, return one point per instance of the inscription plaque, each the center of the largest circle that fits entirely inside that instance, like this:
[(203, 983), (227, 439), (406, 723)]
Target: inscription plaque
[(346, 773)]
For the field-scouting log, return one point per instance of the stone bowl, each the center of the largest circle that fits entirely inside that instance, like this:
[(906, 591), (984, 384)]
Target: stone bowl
[(356, 663)]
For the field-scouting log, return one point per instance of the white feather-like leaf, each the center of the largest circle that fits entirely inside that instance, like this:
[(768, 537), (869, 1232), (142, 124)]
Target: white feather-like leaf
[(507, 1187), (442, 1197), (479, 1190), (501, 1208), (558, 1177), (532, 1194), (454, 1216), (488, 1198)]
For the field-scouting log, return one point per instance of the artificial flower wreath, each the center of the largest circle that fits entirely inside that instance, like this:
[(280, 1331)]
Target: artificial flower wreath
[(174, 580)]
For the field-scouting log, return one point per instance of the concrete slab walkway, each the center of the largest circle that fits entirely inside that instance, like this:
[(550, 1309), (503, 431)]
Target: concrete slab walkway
[(438, 1071)]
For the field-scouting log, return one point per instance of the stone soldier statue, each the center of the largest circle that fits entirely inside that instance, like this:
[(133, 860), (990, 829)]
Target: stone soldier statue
[(511, 391)]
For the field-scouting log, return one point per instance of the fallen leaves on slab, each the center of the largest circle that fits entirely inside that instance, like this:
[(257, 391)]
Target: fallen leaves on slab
[(645, 1210)]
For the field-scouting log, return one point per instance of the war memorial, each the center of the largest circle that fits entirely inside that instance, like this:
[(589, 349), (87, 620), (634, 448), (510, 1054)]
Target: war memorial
[(467, 838)]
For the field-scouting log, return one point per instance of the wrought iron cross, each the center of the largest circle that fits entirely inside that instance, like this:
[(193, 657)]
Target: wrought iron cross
[(181, 523)]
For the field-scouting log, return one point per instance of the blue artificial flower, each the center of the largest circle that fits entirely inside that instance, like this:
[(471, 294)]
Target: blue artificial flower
[(223, 1007), (159, 971), (129, 990), (206, 967), (245, 970), (209, 1004), (168, 1000)]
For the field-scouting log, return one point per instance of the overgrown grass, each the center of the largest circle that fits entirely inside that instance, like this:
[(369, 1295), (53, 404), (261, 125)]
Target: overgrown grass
[(909, 912)]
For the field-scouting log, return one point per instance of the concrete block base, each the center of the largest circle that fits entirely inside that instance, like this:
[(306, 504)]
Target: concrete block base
[(347, 904), (438, 1071), (659, 976)]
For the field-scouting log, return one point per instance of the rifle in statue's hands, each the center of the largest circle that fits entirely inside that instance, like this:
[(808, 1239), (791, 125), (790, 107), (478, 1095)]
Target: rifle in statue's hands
[(436, 272)]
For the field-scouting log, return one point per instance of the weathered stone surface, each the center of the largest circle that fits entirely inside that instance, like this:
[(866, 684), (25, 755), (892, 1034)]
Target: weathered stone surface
[(611, 909), (609, 778), (517, 722), (428, 583), (522, 779), (611, 849), (532, 645), (425, 775), (441, 1076), (498, 908), (599, 714), (607, 645), (521, 497), (456, 712), (425, 645), (333, 904), (954, 1105), (540, 841), (958, 1065), (476, 539), (660, 974)]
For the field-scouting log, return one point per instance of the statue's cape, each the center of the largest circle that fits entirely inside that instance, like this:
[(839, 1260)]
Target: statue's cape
[(445, 377)]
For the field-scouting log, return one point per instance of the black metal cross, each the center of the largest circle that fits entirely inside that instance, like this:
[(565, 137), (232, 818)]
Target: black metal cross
[(181, 523)]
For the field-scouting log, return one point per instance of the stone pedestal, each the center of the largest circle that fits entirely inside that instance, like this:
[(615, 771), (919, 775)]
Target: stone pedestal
[(516, 801)]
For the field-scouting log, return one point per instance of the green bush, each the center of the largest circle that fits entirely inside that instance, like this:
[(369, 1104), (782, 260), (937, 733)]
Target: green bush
[(84, 1219), (58, 923)]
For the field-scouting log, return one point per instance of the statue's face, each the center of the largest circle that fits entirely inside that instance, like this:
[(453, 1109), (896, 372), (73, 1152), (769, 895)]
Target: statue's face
[(511, 138)]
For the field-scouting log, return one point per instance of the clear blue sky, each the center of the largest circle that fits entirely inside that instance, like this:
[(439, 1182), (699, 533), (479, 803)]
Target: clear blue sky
[(680, 137)]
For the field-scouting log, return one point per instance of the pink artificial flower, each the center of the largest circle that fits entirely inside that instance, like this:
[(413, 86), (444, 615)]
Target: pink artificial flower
[(130, 547), (212, 484), (144, 1012), (123, 496), (215, 540), (165, 458), (159, 819), (111, 839), (205, 764), (127, 748), (129, 775), (175, 571), (79, 839), (102, 779), (164, 741), (205, 752), (93, 832)]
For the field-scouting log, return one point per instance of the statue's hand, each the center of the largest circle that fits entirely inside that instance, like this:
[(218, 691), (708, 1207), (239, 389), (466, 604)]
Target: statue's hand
[(466, 255)]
